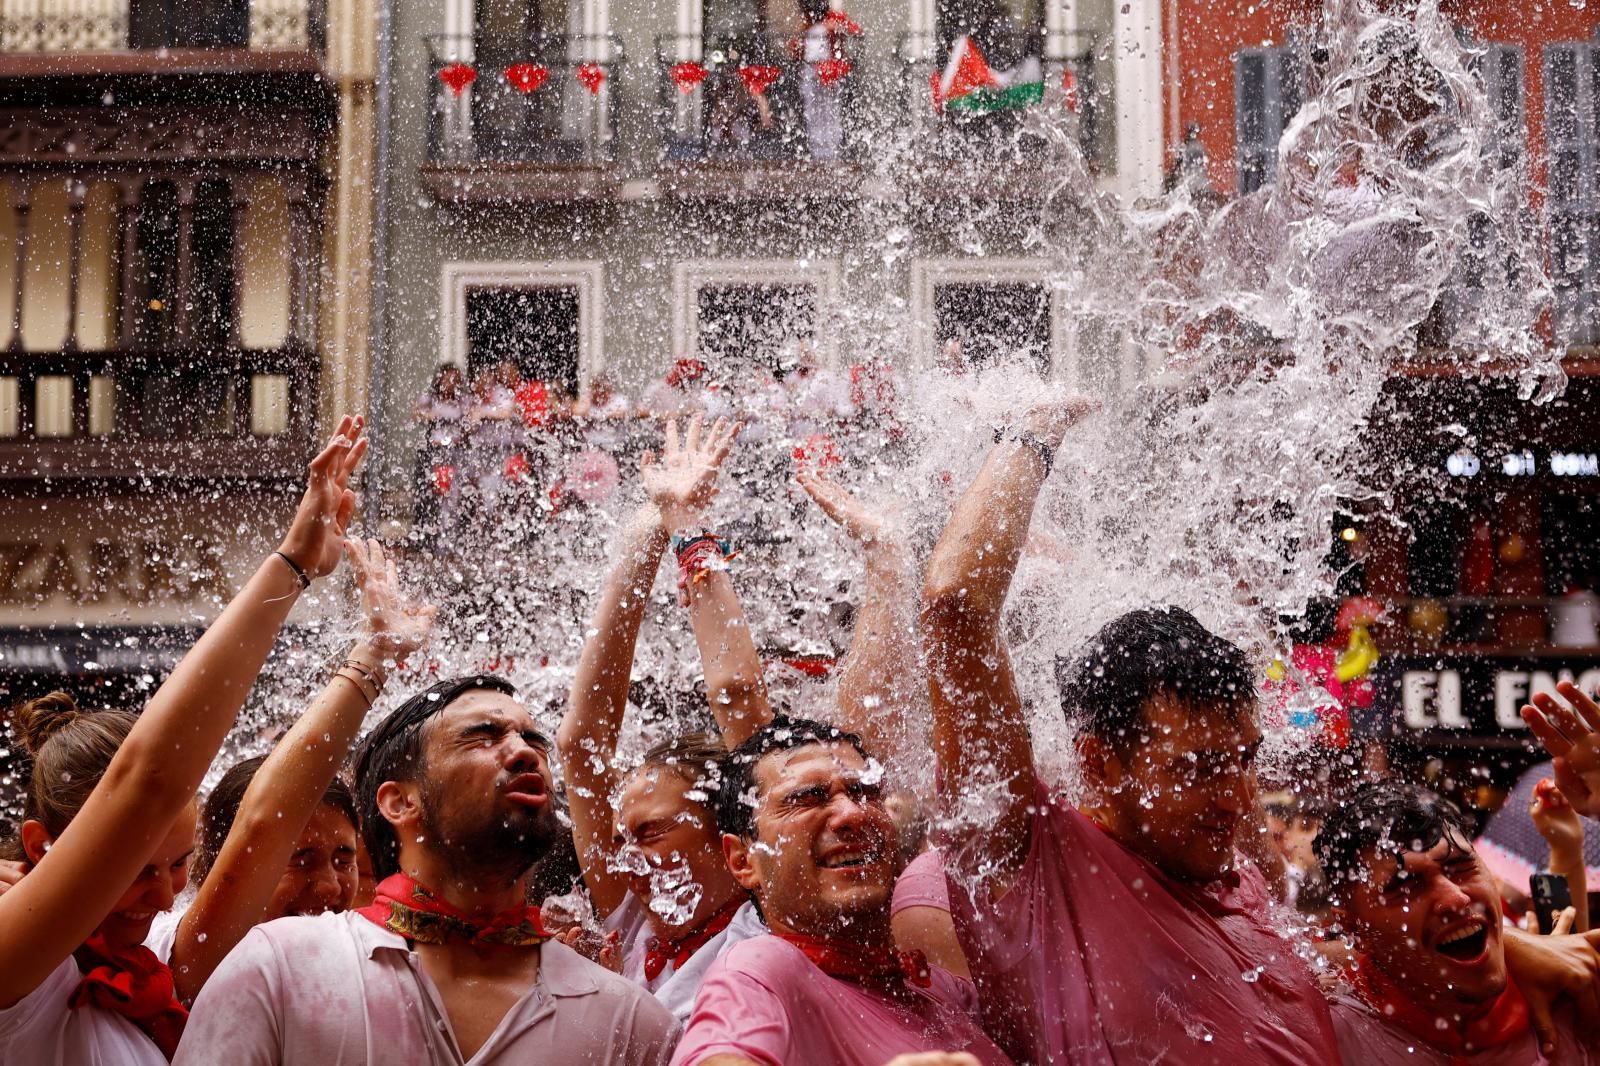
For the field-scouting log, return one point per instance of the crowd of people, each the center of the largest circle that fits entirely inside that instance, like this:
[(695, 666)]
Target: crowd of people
[(779, 889)]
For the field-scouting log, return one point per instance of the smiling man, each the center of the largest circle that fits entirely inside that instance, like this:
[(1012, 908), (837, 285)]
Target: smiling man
[(1430, 983), (450, 964), (806, 832)]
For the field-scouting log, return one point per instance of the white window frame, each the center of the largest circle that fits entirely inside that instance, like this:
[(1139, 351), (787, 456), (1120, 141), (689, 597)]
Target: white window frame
[(587, 276), (692, 275), (928, 274)]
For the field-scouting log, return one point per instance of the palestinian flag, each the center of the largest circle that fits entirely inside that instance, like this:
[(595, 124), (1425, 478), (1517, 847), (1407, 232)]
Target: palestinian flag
[(970, 85)]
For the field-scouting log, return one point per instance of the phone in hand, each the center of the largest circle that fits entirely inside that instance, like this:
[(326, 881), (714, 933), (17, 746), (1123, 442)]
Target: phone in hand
[(1551, 896)]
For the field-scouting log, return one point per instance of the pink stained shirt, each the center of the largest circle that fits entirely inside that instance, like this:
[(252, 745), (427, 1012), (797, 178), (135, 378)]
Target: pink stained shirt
[(1367, 1039), (1094, 957), (922, 884), (765, 1001)]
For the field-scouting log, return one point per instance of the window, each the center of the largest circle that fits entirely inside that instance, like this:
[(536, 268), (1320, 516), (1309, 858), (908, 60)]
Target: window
[(537, 329), (189, 23), (986, 323), (1501, 69), (1268, 83), (1572, 125), (760, 326)]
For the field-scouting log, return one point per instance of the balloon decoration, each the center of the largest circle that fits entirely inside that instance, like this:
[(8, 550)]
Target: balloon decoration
[(592, 75), (758, 78), (458, 76), (831, 71), (687, 75), (527, 77)]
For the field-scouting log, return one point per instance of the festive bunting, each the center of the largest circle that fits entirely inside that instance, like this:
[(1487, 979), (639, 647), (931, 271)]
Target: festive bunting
[(759, 78), (526, 77), (592, 75), (839, 22), (830, 71), (687, 75), (458, 76), (1069, 86)]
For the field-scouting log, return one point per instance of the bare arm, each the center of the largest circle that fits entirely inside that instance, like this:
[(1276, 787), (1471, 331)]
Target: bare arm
[(589, 733), (1562, 829), (293, 779), (882, 695), (155, 773), (683, 485), (980, 734)]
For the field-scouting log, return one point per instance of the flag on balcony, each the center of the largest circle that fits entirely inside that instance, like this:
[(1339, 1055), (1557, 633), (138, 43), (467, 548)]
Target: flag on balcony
[(527, 77), (970, 85)]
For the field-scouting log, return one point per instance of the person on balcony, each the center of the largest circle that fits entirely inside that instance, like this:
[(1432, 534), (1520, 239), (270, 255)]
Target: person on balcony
[(824, 70)]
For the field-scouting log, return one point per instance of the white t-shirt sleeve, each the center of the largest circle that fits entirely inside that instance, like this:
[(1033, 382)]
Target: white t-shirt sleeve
[(236, 1016)]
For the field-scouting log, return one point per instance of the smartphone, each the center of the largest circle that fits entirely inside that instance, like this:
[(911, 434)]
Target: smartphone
[(1551, 896)]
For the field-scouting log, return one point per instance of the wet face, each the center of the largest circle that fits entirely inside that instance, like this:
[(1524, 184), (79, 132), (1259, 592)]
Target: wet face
[(158, 884), (1431, 922), (322, 871), (1293, 834), (659, 819), (484, 791), (823, 858), (1175, 794)]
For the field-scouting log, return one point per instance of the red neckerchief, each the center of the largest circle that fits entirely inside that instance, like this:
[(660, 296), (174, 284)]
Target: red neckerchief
[(677, 952), (405, 907), (135, 984), (855, 963), (1506, 1020)]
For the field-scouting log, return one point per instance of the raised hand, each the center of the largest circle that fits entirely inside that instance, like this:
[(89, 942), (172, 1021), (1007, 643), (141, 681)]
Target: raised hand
[(393, 626), (1050, 420), (684, 482), (1570, 732), (840, 504), (317, 532), (1555, 819)]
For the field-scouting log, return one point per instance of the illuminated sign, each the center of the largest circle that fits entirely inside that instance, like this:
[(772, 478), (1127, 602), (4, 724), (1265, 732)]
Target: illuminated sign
[(1523, 463), (1574, 464)]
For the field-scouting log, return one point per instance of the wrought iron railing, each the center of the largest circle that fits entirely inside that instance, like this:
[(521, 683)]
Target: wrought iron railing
[(759, 97), (545, 98)]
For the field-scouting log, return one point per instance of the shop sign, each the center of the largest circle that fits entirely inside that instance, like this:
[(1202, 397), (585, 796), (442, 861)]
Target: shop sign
[(1479, 695), (133, 572)]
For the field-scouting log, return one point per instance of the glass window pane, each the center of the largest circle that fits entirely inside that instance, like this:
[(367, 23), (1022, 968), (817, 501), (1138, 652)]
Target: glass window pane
[(102, 405), (10, 407), (52, 406)]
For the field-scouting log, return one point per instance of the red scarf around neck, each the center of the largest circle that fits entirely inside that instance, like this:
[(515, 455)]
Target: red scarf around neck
[(421, 916), (677, 952), (1506, 1020), (836, 958), (133, 983)]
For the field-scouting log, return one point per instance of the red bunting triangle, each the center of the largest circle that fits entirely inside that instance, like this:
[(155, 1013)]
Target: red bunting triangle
[(526, 77), (458, 76), (687, 75), (593, 75), (1069, 87), (758, 79)]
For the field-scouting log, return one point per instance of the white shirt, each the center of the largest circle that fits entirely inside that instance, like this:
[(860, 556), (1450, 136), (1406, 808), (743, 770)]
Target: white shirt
[(674, 987), (43, 1029), (338, 990)]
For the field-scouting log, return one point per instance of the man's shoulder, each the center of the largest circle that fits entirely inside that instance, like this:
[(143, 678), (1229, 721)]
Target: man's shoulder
[(303, 937), (567, 973), (769, 958)]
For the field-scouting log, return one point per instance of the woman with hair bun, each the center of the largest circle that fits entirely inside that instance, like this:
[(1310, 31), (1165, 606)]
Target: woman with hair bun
[(109, 815)]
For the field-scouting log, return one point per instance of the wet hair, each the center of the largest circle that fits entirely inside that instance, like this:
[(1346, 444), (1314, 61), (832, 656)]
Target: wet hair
[(393, 752), (736, 799), (70, 749), (1144, 654), (222, 807), (1389, 817), (697, 758)]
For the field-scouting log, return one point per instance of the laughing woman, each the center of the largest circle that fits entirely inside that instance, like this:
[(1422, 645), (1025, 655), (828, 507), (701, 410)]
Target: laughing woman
[(109, 815)]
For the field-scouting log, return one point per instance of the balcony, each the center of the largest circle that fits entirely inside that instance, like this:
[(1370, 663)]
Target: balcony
[(522, 118), (51, 26), (130, 413), (971, 132), (756, 114)]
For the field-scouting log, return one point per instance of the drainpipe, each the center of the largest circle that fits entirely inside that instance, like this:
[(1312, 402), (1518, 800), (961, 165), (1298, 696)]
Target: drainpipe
[(378, 371)]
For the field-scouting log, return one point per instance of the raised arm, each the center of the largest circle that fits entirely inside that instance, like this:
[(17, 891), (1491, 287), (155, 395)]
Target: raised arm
[(1570, 732), (683, 485), (292, 781), (883, 695), (155, 773), (980, 734), (589, 733), (1562, 829)]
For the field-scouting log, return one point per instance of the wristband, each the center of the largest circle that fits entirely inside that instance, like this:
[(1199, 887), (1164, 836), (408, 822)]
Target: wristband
[(1045, 451), (299, 572), (358, 675)]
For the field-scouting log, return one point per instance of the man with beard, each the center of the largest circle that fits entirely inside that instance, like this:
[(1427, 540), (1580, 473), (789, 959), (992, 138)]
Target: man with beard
[(805, 830), (450, 964), (1429, 984)]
